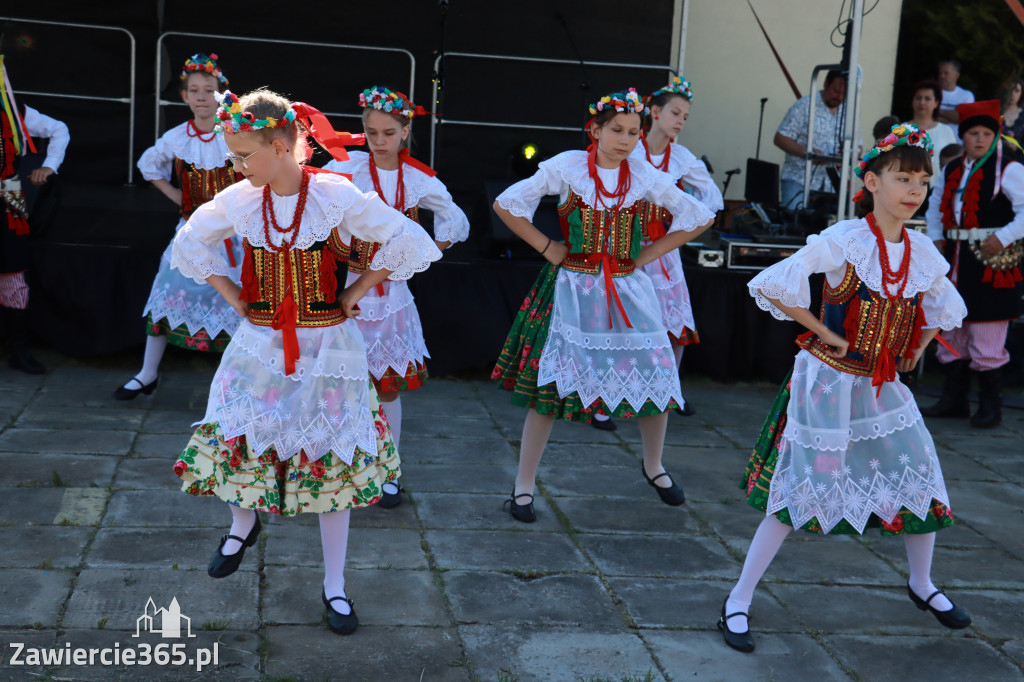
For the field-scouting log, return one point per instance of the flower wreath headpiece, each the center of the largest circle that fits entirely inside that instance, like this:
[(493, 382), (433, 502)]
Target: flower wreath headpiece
[(679, 86), (622, 102), (204, 63), (904, 134), (390, 102), (231, 119)]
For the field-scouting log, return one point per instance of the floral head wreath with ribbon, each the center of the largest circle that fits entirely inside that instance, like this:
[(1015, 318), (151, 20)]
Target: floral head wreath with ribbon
[(231, 119), (904, 134), (390, 102), (679, 86), (621, 102), (200, 62)]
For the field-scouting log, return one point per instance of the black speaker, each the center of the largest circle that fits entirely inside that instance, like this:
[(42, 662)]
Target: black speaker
[(503, 240), (762, 182)]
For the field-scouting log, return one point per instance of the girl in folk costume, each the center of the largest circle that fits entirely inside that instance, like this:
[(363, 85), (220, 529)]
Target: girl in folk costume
[(188, 165), (667, 111), (293, 423), (589, 338), (978, 218), (18, 125), (388, 317), (844, 447)]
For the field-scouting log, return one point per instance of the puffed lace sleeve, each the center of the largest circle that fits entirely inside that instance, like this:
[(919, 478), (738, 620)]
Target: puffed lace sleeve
[(522, 198), (697, 178), (943, 306), (406, 248), (687, 213), (450, 223), (157, 162), (787, 282), (198, 248)]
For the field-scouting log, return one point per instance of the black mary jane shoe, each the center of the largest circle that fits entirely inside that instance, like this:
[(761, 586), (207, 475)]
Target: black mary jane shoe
[(686, 410), (955, 618), (740, 641), (125, 393), (222, 566), (672, 495), (390, 500), (606, 425), (521, 512), (343, 624)]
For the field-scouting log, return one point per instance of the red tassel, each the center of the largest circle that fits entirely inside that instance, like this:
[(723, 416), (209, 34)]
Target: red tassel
[(804, 339), (328, 280), (915, 337), (250, 287), (851, 325), (1004, 280), (987, 277), (18, 224), (1016, 275)]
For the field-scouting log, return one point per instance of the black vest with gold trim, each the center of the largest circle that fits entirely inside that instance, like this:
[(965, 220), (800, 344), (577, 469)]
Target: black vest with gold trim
[(198, 186), (881, 331), (360, 253)]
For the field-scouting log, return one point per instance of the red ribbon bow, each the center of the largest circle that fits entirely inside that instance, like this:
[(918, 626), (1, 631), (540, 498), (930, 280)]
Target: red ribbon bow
[(610, 267), (323, 132)]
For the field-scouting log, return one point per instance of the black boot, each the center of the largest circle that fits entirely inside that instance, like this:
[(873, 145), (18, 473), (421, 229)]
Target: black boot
[(953, 402), (990, 388), (18, 355)]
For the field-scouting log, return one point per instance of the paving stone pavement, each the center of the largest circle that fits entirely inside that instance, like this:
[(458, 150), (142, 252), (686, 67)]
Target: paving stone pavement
[(609, 585)]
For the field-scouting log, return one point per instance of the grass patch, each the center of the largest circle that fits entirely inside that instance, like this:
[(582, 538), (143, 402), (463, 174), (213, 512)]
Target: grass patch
[(221, 624)]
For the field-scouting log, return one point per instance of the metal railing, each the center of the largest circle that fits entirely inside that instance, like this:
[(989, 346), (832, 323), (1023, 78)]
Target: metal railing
[(435, 121), (160, 102), (129, 100)]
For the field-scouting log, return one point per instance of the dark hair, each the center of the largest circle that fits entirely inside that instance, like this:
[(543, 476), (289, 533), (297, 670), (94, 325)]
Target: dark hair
[(1006, 91), (883, 127), (952, 62), (660, 101), (832, 75), (936, 90), (951, 150), (903, 158)]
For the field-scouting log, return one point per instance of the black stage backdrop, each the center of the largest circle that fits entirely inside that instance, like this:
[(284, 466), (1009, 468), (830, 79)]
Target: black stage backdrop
[(94, 260)]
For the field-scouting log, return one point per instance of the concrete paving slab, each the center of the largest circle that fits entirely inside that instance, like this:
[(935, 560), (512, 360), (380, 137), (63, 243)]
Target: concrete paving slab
[(490, 550), (165, 508), (556, 655), (616, 515), (735, 522), (457, 510), (595, 481), (432, 407), (121, 596), (704, 656), (30, 506), (975, 567), (679, 556), (370, 654), (42, 546), (997, 614), (393, 597), (81, 506), (697, 436), (880, 611), (449, 427), (177, 422), (150, 473), (86, 418), (50, 470), (237, 656), (186, 548), (958, 467), (85, 395), (500, 598), (563, 431), (1014, 650), (956, 657), (33, 597), (996, 510), (397, 548), (586, 456), (490, 451), (25, 640), (691, 604), (76, 441), (465, 478), (165, 446)]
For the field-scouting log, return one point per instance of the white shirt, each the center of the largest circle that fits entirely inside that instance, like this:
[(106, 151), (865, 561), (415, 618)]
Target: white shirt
[(1012, 183), (951, 99), (41, 125)]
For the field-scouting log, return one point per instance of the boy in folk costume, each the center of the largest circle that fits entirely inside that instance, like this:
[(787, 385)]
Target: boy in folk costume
[(977, 217), (17, 127)]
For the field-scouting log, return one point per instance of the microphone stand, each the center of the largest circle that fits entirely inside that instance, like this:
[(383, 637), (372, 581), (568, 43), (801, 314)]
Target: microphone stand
[(760, 124)]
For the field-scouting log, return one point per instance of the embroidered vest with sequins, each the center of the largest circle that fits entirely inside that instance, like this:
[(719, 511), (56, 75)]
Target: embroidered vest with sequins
[(317, 278), (650, 213), (870, 322), (198, 186), (360, 253), (595, 236)]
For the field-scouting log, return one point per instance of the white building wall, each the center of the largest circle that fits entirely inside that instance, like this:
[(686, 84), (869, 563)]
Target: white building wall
[(731, 67)]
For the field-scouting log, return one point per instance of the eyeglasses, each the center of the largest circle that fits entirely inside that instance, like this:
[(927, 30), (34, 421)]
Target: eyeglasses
[(244, 160)]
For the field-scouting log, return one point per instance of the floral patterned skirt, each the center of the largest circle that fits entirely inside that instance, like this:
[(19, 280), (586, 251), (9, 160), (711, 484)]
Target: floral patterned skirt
[(415, 376), (519, 363), (180, 337), (214, 466), (757, 481)]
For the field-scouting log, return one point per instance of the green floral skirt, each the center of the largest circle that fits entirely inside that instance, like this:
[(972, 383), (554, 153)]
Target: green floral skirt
[(519, 363), (757, 481), (180, 337), (212, 465)]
